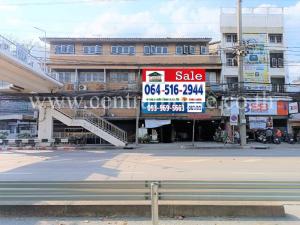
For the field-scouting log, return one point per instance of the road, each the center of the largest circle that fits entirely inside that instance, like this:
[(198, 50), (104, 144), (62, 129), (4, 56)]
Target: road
[(140, 164)]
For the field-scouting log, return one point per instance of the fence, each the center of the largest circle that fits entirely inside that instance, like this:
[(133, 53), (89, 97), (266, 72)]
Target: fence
[(151, 191)]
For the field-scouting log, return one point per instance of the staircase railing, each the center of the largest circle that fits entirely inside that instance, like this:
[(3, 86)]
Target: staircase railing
[(98, 122)]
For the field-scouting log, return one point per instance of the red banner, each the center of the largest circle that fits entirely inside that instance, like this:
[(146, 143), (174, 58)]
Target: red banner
[(173, 75)]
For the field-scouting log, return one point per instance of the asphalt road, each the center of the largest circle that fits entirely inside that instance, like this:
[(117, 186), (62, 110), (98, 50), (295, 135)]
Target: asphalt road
[(280, 164)]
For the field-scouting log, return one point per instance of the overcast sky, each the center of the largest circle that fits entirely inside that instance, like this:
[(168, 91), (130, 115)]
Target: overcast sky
[(132, 18)]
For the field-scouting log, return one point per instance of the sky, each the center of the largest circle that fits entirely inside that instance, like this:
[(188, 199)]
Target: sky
[(132, 18)]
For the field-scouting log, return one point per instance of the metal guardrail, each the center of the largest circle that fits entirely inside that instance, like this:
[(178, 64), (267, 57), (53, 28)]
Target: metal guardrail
[(149, 190)]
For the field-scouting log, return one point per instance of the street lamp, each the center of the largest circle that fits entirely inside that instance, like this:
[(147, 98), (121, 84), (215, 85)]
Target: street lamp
[(45, 55)]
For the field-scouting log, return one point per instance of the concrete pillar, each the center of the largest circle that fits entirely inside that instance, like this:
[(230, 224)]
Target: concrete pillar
[(45, 122)]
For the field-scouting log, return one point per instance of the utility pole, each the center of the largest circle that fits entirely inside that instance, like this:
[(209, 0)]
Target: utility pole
[(240, 56)]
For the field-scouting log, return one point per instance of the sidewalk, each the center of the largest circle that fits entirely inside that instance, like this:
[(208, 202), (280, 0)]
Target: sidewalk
[(211, 145)]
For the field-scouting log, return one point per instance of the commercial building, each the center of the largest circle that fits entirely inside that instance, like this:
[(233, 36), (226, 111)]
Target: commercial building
[(106, 65), (264, 67)]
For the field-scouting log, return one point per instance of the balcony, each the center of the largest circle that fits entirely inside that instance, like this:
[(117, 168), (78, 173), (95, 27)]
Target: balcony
[(134, 62)]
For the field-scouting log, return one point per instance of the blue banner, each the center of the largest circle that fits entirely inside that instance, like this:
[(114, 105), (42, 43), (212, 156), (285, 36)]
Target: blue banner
[(172, 107)]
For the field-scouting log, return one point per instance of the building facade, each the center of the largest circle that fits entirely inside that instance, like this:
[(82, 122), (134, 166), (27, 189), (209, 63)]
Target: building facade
[(106, 66), (265, 70)]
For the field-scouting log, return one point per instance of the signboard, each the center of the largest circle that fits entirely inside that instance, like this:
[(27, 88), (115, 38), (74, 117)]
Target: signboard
[(234, 119), (177, 90), (293, 107), (256, 72), (263, 108), (260, 122)]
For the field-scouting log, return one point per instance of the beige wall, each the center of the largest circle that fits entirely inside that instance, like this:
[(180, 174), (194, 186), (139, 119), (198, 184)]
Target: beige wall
[(108, 62)]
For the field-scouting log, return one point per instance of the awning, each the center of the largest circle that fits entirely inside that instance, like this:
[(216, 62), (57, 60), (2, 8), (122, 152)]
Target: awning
[(156, 123)]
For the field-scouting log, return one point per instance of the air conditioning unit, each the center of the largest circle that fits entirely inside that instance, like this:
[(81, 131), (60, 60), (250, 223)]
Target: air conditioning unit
[(82, 87)]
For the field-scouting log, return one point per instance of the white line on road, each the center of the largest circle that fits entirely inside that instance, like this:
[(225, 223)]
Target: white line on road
[(56, 160), (251, 160), (249, 173), (197, 160), (98, 160), (131, 172), (154, 160)]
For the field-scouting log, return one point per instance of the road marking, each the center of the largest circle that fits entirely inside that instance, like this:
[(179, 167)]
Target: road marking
[(249, 173), (154, 160), (13, 173), (49, 160), (98, 160), (130, 172), (197, 160), (251, 160)]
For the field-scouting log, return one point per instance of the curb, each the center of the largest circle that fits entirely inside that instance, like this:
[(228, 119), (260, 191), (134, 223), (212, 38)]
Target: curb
[(142, 210)]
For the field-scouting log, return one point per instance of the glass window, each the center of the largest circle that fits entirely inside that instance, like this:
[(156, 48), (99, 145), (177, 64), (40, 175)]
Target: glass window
[(231, 38), (91, 76), (159, 50), (132, 50), (165, 50), (64, 49), (192, 50), (275, 38), (92, 49), (123, 50), (203, 50), (155, 50), (121, 76), (276, 60), (126, 49), (147, 50), (179, 50), (185, 49), (65, 76), (231, 59), (119, 51), (114, 49)]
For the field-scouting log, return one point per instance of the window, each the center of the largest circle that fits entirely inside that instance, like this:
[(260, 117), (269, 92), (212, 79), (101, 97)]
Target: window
[(65, 49), (231, 59), (122, 50), (121, 76), (231, 38), (211, 77), (232, 83), (276, 60), (277, 84), (155, 50), (64, 76), (275, 38), (92, 49), (185, 50), (203, 50), (91, 76)]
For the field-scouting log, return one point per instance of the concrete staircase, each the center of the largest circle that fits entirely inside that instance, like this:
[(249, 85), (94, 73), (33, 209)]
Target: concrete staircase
[(93, 123)]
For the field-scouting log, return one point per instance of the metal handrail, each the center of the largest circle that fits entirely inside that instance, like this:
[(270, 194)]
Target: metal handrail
[(98, 122), (22, 54)]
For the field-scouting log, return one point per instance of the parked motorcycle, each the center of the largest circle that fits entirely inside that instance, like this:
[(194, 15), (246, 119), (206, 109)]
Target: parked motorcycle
[(276, 140), (289, 139)]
